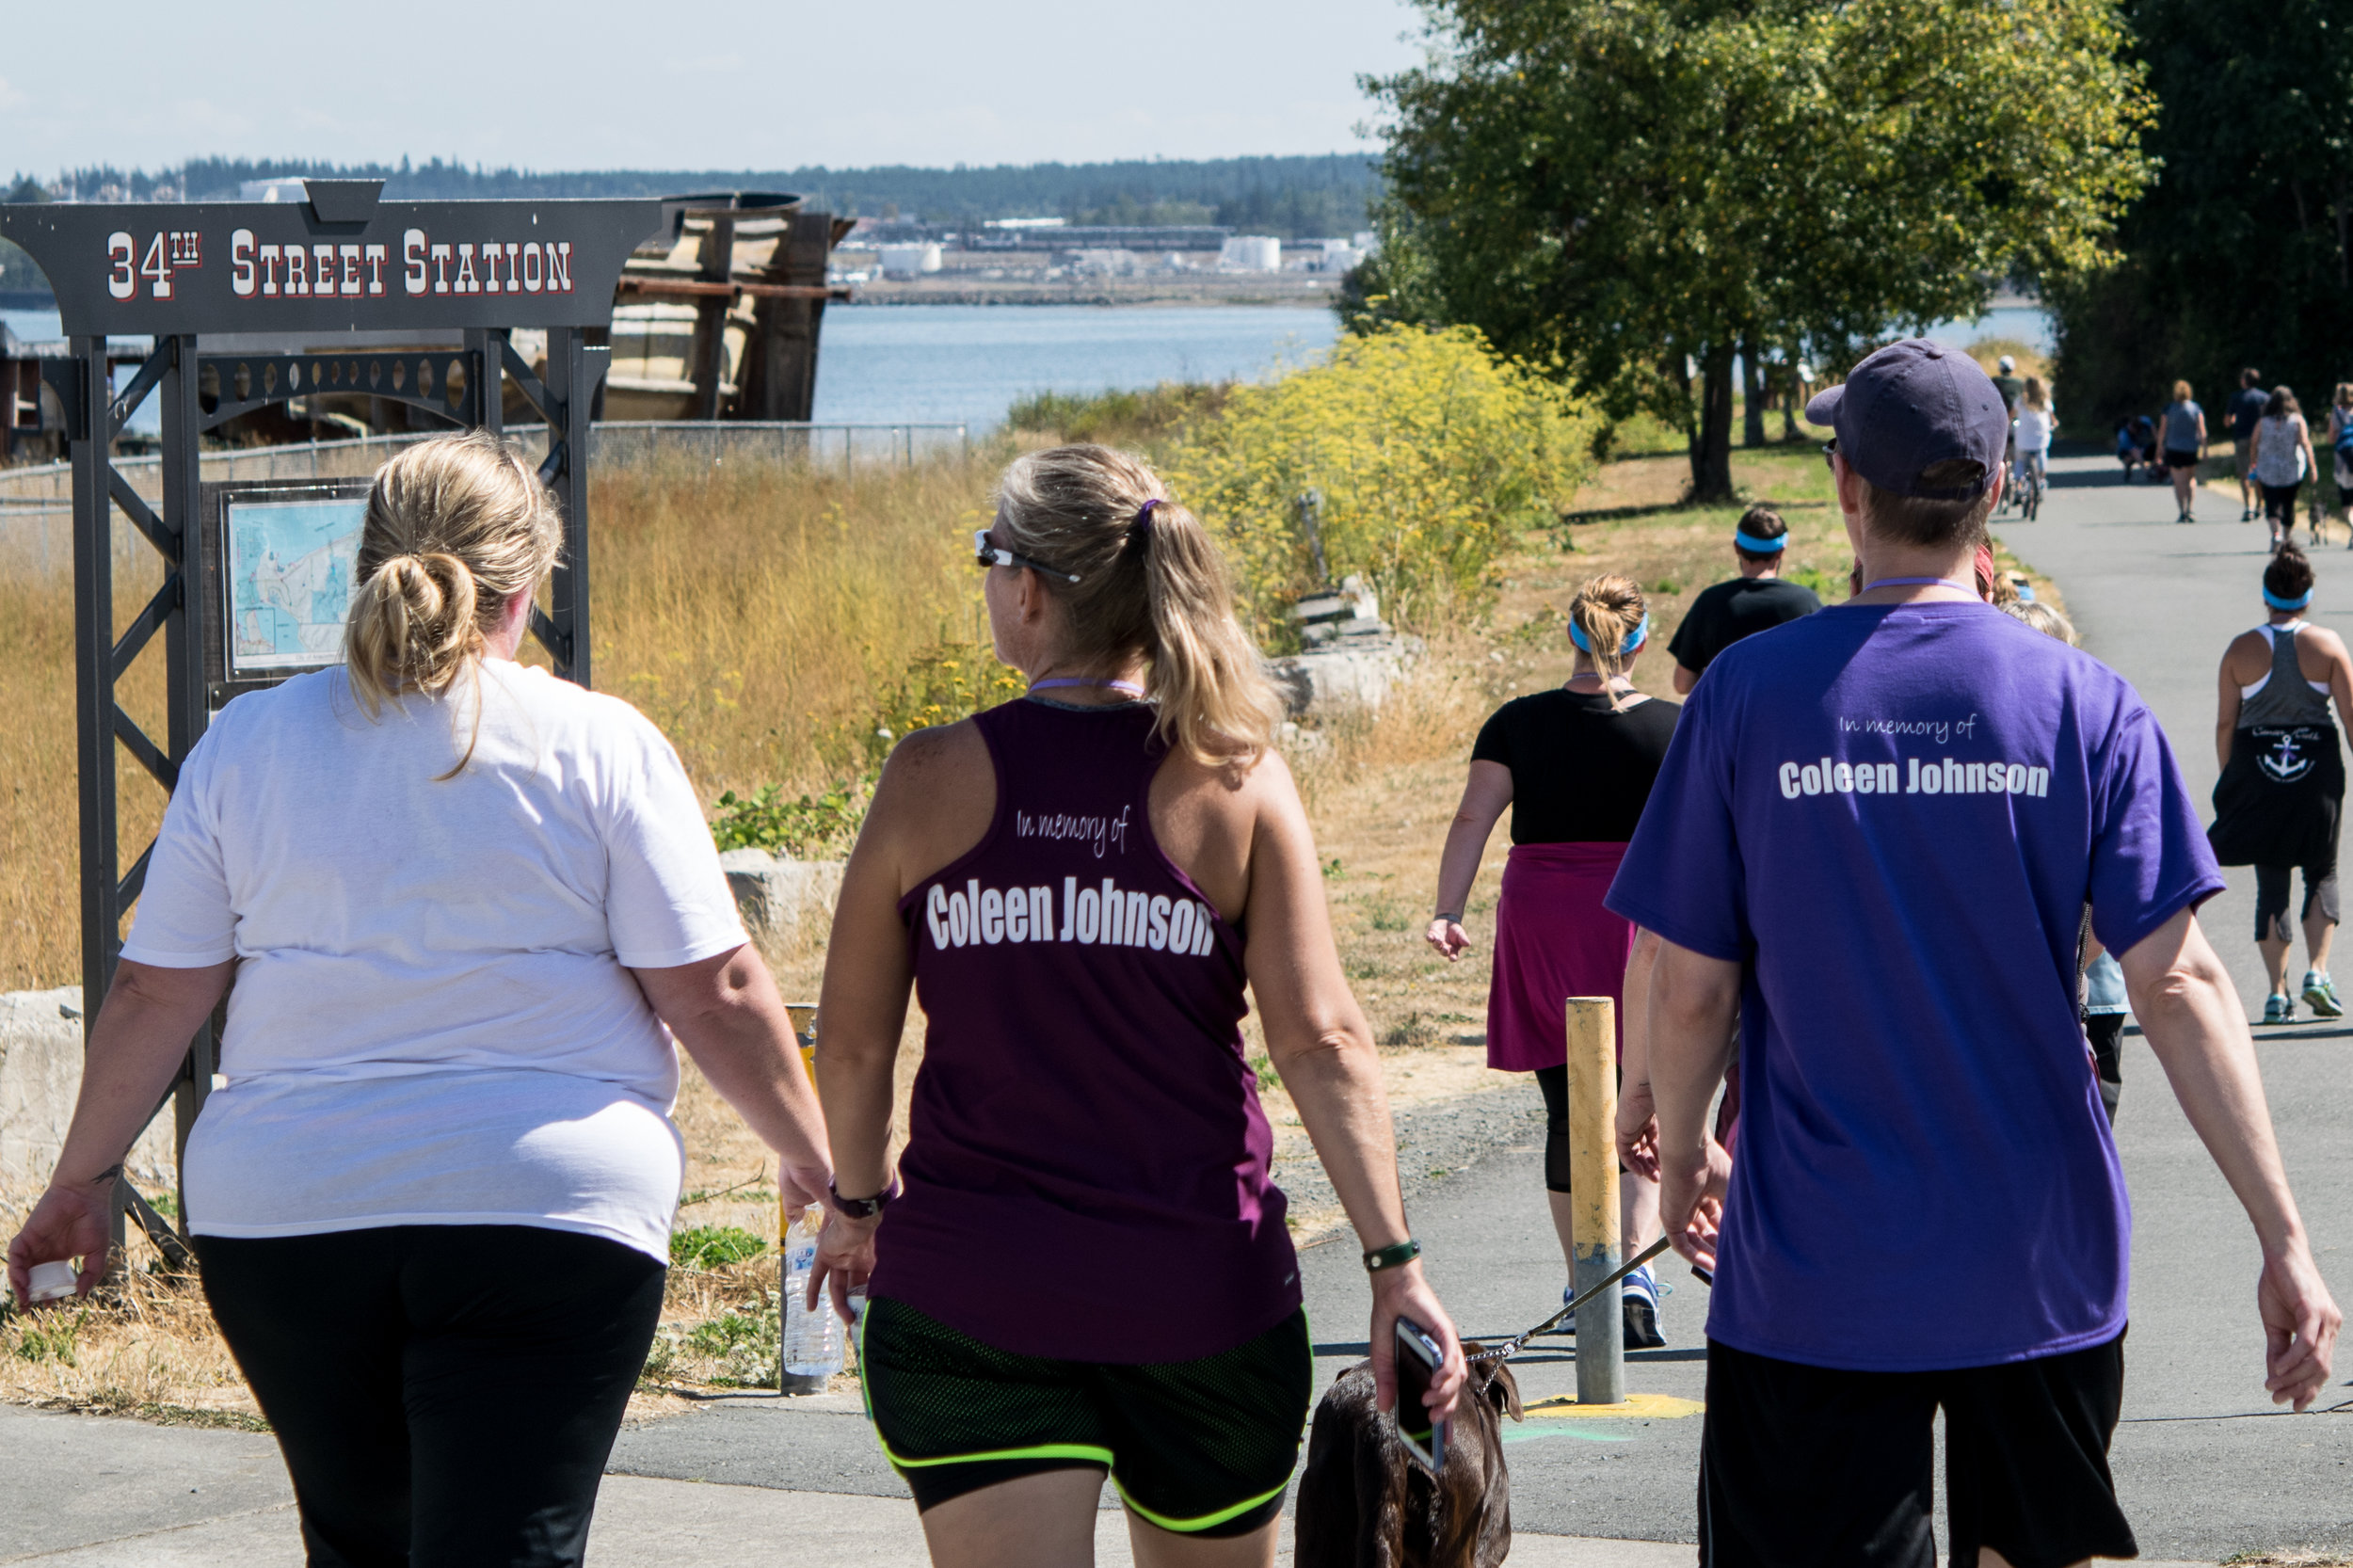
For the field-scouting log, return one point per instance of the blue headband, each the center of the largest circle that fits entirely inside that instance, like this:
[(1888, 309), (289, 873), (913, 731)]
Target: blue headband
[(1634, 639), (2278, 603), (1755, 546)]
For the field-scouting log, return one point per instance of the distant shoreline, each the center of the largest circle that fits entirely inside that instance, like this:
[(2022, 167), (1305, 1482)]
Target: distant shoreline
[(958, 287)]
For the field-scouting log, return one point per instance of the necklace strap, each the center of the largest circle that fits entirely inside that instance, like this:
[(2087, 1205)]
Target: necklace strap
[(1969, 588), (1131, 688)]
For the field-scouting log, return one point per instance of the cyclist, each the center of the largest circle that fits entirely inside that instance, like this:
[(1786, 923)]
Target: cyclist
[(2006, 381), (2030, 437)]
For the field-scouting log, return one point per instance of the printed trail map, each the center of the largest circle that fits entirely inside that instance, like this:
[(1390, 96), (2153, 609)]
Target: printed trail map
[(289, 573)]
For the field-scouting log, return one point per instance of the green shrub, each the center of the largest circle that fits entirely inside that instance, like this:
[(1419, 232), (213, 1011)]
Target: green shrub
[(1431, 451), (1140, 418), (808, 828), (746, 1344), (714, 1246)]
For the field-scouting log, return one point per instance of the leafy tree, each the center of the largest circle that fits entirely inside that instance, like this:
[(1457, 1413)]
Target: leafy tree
[(2241, 252), (1625, 189)]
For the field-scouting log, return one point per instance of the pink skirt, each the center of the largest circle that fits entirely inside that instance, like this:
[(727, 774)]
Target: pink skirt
[(1553, 941)]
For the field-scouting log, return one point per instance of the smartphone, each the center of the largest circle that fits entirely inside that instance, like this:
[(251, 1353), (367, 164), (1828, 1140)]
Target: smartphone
[(1418, 1358)]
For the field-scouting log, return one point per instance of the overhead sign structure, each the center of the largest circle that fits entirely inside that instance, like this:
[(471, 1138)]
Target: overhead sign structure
[(342, 262), (259, 565)]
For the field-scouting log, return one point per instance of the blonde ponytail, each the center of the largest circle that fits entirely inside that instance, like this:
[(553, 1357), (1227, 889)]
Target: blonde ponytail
[(1605, 612), (1150, 582), (455, 527)]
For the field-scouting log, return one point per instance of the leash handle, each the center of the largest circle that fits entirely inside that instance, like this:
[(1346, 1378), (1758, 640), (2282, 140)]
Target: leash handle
[(1511, 1346)]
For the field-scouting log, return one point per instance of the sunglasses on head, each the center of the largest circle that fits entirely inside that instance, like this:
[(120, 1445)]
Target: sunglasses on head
[(988, 553)]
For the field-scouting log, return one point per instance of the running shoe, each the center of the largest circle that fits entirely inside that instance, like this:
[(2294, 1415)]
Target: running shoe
[(2322, 995), (1568, 1294), (2278, 1009), (1640, 1296)]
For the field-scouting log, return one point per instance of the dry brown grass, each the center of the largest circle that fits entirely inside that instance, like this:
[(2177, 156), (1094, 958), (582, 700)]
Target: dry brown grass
[(143, 1345), (40, 811), (753, 610)]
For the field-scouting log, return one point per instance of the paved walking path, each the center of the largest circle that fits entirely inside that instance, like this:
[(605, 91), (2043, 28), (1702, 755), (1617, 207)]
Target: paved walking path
[(2205, 1466)]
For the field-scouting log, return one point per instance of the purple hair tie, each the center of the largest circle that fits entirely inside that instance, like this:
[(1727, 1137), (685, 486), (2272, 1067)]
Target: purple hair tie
[(1141, 530)]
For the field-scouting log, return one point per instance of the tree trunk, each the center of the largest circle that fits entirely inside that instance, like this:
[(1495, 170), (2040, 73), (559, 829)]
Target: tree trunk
[(1711, 439), (1752, 390), (1797, 392)]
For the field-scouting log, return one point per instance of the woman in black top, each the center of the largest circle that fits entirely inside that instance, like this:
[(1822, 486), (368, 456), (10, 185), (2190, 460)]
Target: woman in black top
[(1576, 765)]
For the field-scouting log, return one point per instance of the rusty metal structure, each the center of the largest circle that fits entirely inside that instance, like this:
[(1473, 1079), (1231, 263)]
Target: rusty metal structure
[(720, 320)]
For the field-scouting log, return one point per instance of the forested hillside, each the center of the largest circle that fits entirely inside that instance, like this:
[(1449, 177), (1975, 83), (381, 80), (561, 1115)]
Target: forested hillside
[(1293, 198)]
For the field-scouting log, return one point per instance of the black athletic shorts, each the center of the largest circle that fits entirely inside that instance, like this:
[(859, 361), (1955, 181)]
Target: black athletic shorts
[(2181, 457), (1805, 1466), (1202, 1448)]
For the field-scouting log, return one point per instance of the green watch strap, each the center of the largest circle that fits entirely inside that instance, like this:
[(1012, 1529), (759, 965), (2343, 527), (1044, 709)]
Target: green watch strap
[(1393, 1255)]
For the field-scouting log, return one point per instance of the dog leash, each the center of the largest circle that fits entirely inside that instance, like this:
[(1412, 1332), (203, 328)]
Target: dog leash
[(1511, 1346)]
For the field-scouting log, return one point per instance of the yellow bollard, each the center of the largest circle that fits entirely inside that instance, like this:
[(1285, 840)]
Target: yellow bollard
[(1593, 1196)]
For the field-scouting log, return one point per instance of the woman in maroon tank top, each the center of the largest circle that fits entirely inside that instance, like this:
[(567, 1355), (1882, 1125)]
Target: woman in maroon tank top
[(1084, 1266)]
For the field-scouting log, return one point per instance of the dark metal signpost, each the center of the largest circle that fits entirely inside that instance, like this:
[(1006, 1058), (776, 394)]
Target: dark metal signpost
[(344, 261)]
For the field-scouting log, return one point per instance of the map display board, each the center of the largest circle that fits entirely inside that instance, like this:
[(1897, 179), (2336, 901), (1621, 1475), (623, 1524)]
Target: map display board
[(276, 570), (288, 572)]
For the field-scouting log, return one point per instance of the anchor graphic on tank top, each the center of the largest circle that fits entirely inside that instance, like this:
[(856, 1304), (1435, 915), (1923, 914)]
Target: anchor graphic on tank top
[(2285, 761)]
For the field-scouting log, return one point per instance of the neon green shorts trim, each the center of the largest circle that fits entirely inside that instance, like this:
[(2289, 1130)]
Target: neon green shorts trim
[(1200, 1448)]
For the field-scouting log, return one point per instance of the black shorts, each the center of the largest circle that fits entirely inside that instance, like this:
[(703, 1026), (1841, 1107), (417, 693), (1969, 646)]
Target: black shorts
[(2176, 457), (1807, 1465), (1202, 1448)]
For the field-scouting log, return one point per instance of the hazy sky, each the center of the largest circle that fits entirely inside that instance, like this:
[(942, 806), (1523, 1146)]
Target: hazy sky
[(604, 83)]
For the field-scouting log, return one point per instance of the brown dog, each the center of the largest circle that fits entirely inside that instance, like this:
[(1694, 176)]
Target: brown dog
[(1362, 1503)]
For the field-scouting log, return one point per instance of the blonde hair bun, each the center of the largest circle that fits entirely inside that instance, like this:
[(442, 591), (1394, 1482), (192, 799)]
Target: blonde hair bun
[(455, 527)]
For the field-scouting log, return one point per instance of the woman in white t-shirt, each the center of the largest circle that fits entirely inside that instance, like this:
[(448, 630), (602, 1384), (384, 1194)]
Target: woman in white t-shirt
[(2032, 429), (465, 907)]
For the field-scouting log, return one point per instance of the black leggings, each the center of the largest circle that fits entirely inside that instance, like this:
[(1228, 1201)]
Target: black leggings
[(1554, 1084), (443, 1394), (2271, 898), (2279, 501)]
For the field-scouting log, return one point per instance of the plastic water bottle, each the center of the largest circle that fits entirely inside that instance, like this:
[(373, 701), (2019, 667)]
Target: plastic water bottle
[(811, 1339)]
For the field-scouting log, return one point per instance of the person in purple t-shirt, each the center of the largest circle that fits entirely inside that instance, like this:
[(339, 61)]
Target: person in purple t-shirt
[(1873, 838)]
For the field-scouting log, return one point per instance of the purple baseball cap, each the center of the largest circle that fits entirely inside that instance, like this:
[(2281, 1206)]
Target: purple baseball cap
[(1910, 406)]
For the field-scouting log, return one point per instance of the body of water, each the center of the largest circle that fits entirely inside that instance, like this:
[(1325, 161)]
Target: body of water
[(970, 363), (2029, 323)]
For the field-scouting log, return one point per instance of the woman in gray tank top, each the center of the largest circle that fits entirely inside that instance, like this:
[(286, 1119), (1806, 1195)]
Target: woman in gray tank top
[(2279, 800), (2184, 424)]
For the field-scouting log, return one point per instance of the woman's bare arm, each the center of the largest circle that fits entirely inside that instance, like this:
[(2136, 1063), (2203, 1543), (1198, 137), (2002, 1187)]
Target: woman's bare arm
[(136, 1046), (1637, 1112), (1322, 1045), (2227, 706), (933, 802), (727, 1014), (1486, 795)]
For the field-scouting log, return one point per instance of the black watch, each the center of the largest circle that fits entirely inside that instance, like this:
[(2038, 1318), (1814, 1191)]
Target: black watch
[(861, 1208)]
